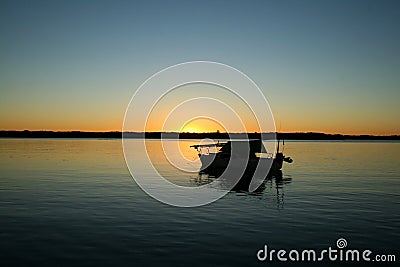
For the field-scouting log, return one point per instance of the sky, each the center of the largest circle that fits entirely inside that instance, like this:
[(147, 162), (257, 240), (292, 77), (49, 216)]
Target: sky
[(323, 66)]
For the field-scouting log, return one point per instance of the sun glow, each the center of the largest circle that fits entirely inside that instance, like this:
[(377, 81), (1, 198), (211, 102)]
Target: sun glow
[(202, 125)]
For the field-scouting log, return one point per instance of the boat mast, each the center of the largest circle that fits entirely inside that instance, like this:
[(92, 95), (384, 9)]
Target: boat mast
[(277, 149)]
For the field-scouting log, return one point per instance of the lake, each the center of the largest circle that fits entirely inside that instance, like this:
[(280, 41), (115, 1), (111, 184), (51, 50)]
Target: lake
[(74, 203)]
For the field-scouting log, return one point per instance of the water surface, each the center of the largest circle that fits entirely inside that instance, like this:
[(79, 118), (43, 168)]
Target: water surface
[(74, 203)]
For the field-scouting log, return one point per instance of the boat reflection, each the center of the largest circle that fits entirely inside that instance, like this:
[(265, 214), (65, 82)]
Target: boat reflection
[(272, 186), (274, 179)]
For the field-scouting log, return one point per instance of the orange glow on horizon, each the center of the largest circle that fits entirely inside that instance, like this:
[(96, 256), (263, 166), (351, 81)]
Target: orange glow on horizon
[(289, 125), (202, 126), (202, 130)]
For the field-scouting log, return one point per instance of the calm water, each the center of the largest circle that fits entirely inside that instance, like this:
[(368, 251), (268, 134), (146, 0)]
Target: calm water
[(73, 203)]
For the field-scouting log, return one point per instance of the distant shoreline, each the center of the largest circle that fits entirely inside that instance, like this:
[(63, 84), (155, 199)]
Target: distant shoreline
[(172, 135)]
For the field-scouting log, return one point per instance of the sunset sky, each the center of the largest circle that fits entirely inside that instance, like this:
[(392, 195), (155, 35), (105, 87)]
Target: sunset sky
[(324, 66)]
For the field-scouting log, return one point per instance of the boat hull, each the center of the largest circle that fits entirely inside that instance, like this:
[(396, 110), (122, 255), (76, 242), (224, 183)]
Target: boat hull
[(212, 163)]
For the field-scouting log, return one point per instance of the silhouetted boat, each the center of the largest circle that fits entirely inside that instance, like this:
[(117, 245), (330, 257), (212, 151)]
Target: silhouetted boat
[(251, 154)]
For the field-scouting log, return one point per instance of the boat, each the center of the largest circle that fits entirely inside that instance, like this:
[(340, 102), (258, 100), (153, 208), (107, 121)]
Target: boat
[(247, 158)]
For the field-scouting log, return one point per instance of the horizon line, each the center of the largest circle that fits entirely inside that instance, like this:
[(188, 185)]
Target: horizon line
[(209, 132), (190, 135)]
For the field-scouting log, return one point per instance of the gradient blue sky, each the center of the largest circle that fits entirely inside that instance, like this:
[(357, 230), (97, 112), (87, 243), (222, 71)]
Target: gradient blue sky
[(331, 66)]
